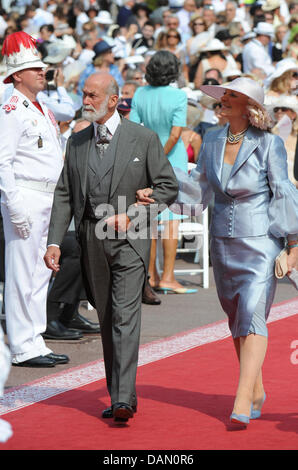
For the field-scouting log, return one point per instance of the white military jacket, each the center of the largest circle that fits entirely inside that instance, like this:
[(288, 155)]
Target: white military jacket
[(30, 147)]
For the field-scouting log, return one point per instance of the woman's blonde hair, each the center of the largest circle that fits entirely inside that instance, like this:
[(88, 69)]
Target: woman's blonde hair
[(281, 84)]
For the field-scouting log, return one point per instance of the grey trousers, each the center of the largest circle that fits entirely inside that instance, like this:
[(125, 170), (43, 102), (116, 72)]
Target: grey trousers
[(116, 275)]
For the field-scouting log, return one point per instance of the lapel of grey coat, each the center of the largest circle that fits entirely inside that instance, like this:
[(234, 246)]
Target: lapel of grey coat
[(249, 144), (124, 152), (83, 140)]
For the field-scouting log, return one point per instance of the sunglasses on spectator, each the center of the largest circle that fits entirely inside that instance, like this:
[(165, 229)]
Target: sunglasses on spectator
[(198, 24), (281, 108), (172, 36)]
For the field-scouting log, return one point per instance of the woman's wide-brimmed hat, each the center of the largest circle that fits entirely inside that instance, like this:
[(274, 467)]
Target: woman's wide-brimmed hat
[(282, 67), (214, 45), (281, 101), (246, 86), (20, 53)]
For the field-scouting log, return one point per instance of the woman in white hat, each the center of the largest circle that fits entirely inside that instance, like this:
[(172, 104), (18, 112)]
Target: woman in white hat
[(283, 79), (284, 110), (215, 58), (255, 212)]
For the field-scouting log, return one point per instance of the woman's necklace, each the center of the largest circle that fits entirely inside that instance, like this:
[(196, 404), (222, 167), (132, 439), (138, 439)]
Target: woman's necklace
[(234, 138)]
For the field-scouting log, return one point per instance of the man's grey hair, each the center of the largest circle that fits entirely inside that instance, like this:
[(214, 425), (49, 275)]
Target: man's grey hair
[(113, 88)]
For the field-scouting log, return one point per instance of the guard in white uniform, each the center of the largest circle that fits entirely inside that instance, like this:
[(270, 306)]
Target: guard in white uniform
[(30, 164)]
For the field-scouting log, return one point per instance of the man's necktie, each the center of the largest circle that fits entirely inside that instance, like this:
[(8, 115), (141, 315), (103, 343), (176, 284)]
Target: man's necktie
[(102, 139)]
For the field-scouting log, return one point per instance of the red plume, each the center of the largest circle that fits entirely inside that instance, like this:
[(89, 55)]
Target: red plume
[(13, 41)]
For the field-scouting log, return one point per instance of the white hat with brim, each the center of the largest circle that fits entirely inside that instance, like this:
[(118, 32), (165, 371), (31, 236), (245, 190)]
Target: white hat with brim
[(57, 53), (282, 101), (281, 67), (243, 85), (231, 73), (214, 45), (264, 29), (103, 17), (248, 35)]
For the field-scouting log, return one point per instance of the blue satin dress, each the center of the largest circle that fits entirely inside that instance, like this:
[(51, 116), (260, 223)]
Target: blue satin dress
[(255, 209)]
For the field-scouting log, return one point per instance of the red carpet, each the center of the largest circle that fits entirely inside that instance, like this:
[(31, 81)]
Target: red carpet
[(184, 403)]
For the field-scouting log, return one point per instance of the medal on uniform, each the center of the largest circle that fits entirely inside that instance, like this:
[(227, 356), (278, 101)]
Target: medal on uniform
[(39, 142)]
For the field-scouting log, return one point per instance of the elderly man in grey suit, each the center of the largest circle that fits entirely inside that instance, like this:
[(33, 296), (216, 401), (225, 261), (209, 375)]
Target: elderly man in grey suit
[(106, 163)]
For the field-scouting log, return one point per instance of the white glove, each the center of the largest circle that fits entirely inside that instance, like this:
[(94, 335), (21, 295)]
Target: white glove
[(22, 224)]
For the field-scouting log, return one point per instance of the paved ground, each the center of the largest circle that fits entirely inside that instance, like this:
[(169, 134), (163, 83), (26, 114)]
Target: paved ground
[(176, 314)]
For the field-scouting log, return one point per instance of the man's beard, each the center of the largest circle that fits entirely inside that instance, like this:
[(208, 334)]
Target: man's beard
[(92, 115)]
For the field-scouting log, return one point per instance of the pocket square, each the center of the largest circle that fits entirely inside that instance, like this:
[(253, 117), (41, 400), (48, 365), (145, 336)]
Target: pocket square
[(136, 159)]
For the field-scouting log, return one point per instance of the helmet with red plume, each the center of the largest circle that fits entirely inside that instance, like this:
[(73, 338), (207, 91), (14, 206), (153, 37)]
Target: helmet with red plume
[(19, 51)]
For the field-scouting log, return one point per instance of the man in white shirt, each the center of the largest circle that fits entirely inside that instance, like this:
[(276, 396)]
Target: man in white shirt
[(30, 164), (184, 16), (256, 58)]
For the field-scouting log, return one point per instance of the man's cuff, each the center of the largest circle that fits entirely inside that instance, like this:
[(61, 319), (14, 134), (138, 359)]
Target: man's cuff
[(53, 244)]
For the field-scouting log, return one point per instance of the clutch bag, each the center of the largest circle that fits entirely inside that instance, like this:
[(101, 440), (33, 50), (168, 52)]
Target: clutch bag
[(281, 268), (281, 264)]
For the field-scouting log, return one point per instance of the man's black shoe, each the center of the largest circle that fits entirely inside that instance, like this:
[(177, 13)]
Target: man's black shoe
[(58, 358), (39, 361), (122, 412), (56, 330), (108, 412), (149, 297), (83, 324)]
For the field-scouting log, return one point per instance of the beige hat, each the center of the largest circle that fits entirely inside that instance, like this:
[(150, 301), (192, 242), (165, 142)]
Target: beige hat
[(20, 53), (270, 5)]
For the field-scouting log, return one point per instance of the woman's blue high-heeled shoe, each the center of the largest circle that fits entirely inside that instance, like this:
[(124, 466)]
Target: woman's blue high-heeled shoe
[(239, 419), (255, 414)]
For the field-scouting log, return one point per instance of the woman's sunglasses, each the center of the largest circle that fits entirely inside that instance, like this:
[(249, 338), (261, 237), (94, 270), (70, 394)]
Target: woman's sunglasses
[(280, 108)]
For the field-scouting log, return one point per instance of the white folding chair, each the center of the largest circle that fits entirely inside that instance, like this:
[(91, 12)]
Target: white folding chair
[(193, 237)]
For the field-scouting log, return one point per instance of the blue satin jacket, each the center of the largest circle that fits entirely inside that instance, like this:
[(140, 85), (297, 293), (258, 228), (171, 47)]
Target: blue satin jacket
[(258, 199)]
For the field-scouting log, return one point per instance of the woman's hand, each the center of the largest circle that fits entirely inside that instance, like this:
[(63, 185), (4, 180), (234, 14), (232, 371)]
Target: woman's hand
[(143, 196), (293, 259)]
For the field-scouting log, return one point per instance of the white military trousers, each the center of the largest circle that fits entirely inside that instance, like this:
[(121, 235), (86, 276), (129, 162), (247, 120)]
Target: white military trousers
[(27, 278)]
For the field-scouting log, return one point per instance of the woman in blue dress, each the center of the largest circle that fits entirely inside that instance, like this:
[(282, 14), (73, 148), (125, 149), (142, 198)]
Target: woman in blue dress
[(255, 215), (163, 108)]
